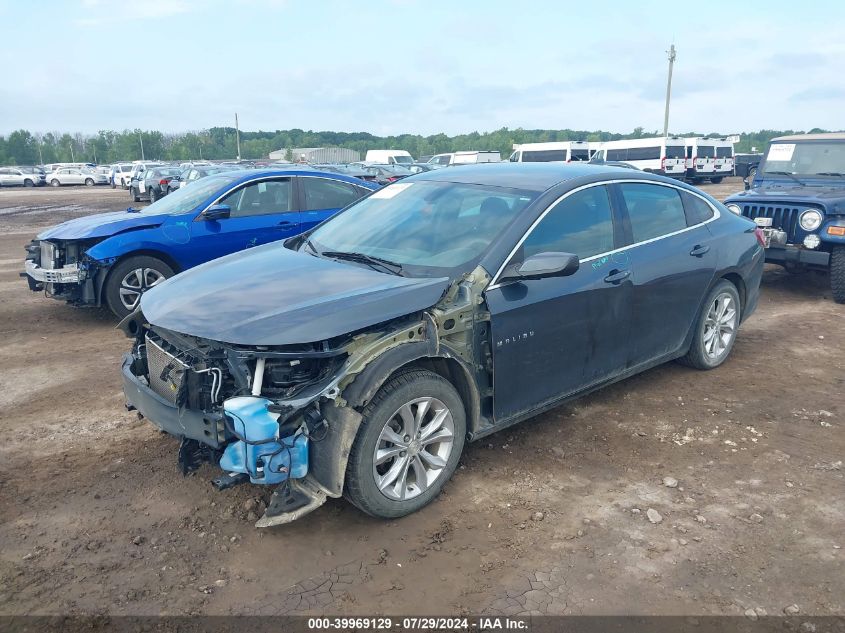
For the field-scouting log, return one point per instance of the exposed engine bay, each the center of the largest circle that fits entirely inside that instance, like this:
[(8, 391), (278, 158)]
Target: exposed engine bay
[(287, 415)]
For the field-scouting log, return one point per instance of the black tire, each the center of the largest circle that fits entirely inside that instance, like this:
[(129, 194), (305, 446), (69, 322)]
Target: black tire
[(153, 195), (111, 290), (55, 183), (89, 182), (716, 180), (28, 183), (752, 174), (837, 273), (360, 485), (113, 186), (697, 356), (133, 193)]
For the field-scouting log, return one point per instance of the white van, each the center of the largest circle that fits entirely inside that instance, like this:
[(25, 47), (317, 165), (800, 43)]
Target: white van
[(558, 152), (658, 155), (724, 159), (465, 158), (700, 158), (388, 157)]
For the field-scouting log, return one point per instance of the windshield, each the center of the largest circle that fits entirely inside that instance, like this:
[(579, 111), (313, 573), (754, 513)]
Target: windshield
[(403, 159), (186, 199), (810, 158), (431, 228)]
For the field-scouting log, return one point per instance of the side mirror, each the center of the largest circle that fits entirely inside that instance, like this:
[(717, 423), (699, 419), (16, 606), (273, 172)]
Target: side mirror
[(217, 212), (542, 265), (746, 184)]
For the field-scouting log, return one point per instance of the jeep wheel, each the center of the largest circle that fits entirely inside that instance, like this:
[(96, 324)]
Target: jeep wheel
[(715, 328), (130, 279), (408, 446), (837, 273)]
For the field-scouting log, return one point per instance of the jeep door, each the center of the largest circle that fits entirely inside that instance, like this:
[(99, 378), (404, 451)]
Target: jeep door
[(261, 211), (555, 336), (673, 260)]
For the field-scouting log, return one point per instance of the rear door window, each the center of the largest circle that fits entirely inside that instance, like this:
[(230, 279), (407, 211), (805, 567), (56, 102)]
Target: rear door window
[(653, 210), (706, 151), (322, 193)]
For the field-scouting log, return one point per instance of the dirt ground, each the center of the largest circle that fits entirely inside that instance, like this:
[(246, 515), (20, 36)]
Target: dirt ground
[(548, 517)]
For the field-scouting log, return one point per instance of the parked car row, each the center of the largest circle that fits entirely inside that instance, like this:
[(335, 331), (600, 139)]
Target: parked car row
[(327, 336)]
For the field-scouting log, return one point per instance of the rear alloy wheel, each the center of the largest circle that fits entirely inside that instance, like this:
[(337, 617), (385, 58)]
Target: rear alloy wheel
[(89, 182), (837, 273), (153, 195), (130, 279), (408, 446), (716, 328), (55, 183)]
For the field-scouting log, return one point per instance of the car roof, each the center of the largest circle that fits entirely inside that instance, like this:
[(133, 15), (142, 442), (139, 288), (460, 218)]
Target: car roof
[(825, 136), (249, 174), (526, 176)]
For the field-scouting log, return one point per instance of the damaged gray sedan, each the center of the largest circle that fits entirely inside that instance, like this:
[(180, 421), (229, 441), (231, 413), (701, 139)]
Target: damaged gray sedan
[(356, 359)]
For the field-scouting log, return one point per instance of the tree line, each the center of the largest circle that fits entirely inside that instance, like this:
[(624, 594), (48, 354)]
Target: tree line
[(23, 147)]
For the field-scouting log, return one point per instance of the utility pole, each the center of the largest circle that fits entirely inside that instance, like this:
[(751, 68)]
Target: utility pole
[(237, 136), (141, 138), (671, 52), (72, 159), (40, 155)]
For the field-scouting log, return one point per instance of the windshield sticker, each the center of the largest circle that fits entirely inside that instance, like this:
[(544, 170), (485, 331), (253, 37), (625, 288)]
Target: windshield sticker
[(391, 190), (781, 151)]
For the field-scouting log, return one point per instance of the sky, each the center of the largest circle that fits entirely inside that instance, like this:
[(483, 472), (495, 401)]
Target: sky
[(420, 66)]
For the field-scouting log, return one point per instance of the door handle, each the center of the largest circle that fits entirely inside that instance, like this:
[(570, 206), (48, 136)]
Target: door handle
[(699, 250), (285, 224), (617, 276)]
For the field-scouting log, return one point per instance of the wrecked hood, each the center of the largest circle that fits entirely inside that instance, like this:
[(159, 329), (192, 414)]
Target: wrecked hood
[(101, 225), (274, 296)]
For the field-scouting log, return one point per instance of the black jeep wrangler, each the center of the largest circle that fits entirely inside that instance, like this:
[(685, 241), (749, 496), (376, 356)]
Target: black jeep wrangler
[(797, 197)]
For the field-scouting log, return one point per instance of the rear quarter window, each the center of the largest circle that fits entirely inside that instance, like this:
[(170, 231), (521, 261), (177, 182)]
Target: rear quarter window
[(696, 209)]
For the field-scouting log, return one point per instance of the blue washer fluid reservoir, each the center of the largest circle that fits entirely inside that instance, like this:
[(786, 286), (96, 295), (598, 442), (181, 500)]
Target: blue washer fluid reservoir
[(264, 456)]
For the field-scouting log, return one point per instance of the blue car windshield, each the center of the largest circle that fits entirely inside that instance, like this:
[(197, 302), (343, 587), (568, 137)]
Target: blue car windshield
[(431, 228), (187, 199)]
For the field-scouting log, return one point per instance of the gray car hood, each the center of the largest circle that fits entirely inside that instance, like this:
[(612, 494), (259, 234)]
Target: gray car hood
[(273, 296)]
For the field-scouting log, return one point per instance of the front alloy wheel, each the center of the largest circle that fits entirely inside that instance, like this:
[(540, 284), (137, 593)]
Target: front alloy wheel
[(413, 448), (130, 279), (409, 443)]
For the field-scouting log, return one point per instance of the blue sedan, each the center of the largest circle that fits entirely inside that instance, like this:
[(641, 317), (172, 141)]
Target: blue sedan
[(113, 258)]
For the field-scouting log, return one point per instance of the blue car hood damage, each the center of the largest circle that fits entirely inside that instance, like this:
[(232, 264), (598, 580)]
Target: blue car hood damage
[(270, 295), (101, 225)]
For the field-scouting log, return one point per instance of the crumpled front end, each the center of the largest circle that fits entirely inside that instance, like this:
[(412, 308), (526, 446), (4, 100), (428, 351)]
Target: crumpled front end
[(253, 412), (288, 415), (62, 271)]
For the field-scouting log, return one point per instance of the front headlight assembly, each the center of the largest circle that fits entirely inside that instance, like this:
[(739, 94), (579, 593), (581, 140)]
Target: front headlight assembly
[(734, 208), (810, 220)]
